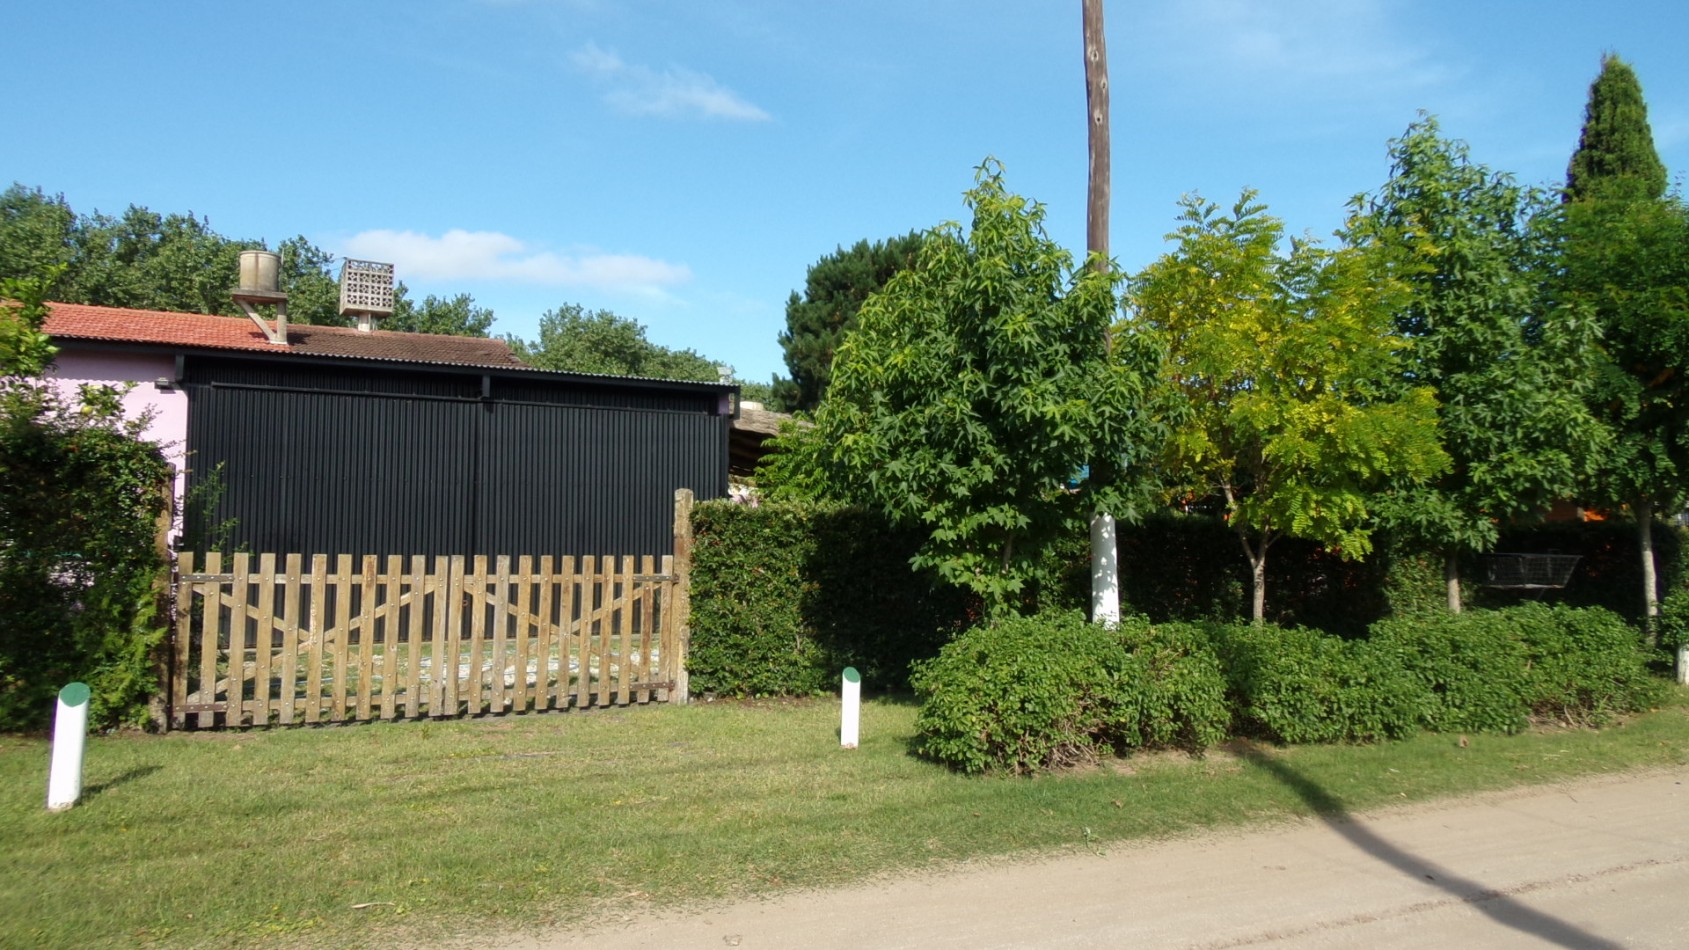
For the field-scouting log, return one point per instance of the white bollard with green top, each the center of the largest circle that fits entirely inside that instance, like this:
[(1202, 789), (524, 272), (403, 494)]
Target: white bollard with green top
[(851, 713), (70, 732)]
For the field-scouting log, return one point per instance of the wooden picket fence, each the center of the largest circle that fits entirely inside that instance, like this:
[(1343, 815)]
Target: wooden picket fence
[(273, 639)]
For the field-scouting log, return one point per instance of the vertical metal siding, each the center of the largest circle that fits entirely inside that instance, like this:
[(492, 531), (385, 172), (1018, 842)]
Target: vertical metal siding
[(335, 472)]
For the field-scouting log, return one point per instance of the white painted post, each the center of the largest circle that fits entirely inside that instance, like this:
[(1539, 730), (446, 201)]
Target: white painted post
[(70, 732), (1683, 665), (1105, 571), (851, 712)]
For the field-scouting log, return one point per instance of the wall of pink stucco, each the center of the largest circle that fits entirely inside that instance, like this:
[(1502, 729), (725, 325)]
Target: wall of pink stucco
[(169, 424)]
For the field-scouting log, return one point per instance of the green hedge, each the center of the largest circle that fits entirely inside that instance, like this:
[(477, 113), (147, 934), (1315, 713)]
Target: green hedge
[(80, 496), (1052, 690), (1496, 670), (1292, 684), (1034, 693), (785, 595)]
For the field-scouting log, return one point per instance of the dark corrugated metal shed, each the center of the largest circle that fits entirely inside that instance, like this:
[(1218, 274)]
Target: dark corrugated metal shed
[(336, 457)]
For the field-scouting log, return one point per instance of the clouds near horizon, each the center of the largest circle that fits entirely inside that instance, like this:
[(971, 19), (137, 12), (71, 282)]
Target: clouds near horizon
[(459, 254)]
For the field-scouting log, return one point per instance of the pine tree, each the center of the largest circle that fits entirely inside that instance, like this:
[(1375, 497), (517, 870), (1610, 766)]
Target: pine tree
[(1615, 156), (817, 322)]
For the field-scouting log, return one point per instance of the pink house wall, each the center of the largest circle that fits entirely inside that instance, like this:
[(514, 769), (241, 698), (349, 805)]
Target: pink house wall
[(169, 425)]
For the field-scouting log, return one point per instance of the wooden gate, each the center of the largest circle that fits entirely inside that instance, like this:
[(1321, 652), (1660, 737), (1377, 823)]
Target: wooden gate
[(277, 640)]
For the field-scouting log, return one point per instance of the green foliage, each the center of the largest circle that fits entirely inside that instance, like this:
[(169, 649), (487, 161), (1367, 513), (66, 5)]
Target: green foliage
[(1291, 684), (1615, 157), (25, 351), (176, 262), (1495, 670), (1510, 384), (817, 322), (1288, 366), (1034, 693), (35, 235), (785, 595), (575, 340), (976, 384), (1672, 625), (80, 495), (454, 316), (1627, 262)]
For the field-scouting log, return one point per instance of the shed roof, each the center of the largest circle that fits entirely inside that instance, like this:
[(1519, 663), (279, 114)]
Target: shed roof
[(69, 321)]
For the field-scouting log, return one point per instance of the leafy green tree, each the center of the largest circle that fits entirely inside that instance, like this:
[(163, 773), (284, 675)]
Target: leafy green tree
[(1624, 257), (312, 283), (974, 387), (834, 290), (1615, 157), (25, 351), (1627, 262), (1511, 385), (573, 339), (150, 261), (177, 262), (453, 316), (80, 495), (1289, 368), (35, 234)]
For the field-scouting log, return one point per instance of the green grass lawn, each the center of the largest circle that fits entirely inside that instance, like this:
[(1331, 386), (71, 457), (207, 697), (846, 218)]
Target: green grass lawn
[(354, 835)]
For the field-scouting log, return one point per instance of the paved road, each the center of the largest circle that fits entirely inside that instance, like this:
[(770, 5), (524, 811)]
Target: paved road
[(1599, 863)]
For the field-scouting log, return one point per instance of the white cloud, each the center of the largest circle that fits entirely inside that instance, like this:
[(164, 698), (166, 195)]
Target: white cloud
[(672, 93), (1345, 48), (489, 255)]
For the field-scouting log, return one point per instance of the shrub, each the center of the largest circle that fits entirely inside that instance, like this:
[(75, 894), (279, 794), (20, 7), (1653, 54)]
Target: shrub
[(80, 495), (1033, 693), (1290, 684), (1468, 668), (1493, 670), (1586, 666), (1179, 699), (786, 594)]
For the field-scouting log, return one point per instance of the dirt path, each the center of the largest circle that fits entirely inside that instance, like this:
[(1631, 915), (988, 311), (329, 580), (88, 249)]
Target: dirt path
[(1598, 863)]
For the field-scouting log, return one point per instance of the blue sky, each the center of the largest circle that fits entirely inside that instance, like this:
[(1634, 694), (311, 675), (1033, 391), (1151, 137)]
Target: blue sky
[(683, 163)]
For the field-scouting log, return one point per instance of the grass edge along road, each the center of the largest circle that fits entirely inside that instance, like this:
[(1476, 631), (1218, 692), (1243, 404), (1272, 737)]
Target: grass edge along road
[(369, 834)]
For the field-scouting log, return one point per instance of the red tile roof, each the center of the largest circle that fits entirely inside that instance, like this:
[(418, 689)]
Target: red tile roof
[(69, 321)]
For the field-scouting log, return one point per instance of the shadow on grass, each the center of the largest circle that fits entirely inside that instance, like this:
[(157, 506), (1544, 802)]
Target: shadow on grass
[(138, 772), (1492, 903)]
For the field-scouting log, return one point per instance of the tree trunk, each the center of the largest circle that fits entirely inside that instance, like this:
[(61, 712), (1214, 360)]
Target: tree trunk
[(1105, 571), (1645, 541), (1258, 578), (1451, 578)]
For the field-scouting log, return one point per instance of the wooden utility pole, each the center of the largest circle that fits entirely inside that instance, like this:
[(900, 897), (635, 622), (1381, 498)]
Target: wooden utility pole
[(1105, 568), (1096, 104)]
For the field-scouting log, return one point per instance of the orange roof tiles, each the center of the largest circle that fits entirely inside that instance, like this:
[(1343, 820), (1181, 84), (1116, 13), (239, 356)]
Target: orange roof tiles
[(68, 321)]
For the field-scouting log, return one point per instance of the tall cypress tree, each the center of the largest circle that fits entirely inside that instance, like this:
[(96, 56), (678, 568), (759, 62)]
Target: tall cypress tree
[(1625, 260), (1615, 156)]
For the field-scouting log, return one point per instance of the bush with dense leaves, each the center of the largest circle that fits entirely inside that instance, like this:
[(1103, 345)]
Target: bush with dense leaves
[(787, 594), (1496, 670), (1033, 693), (80, 495), (1291, 684)]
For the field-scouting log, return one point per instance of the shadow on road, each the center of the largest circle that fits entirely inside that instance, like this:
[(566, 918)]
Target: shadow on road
[(1492, 903)]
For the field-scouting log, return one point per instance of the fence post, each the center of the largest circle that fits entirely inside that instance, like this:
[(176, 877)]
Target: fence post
[(682, 592), (164, 590)]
